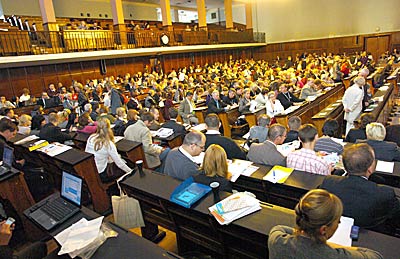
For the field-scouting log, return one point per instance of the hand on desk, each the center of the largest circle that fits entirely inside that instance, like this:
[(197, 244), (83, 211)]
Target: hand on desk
[(5, 233), (21, 162)]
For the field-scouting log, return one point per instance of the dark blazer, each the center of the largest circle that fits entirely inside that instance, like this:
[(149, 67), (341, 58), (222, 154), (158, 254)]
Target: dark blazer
[(224, 184), (368, 203), (393, 133), (384, 150), (212, 106), (355, 134), (178, 128), (53, 133), (288, 99), (291, 136), (231, 148)]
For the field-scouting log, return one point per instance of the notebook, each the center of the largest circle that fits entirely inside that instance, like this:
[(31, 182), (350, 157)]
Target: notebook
[(8, 157), (57, 208)]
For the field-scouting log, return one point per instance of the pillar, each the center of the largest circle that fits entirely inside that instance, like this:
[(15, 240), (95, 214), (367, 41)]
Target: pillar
[(119, 21), (166, 14), (49, 22), (201, 13), (249, 15), (228, 14)]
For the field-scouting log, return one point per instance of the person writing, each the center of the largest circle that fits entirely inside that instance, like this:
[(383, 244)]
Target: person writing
[(317, 218)]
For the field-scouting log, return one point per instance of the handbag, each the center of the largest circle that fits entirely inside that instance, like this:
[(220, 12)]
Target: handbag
[(126, 210)]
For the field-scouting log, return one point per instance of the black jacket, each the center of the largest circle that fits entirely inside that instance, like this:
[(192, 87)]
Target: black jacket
[(231, 148), (178, 128), (288, 99), (53, 133)]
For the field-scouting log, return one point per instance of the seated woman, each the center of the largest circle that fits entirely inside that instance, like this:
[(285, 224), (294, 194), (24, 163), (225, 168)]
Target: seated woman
[(24, 125), (244, 103), (384, 150), (64, 115), (38, 121), (86, 125), (273, 106), (326, 143), (102, 146), (215, 168), (121, 117), (317, 217), (359, 133)]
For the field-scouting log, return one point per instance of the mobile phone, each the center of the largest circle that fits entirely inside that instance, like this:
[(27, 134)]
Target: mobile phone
[(10, 221), (354, 232)]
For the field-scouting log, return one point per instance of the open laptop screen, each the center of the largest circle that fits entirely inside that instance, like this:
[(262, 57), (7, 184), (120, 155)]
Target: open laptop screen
[(71, 188), (8, 156)]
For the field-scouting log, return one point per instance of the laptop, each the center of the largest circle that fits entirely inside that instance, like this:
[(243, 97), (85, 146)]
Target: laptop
[(8, 158), (57, 208)]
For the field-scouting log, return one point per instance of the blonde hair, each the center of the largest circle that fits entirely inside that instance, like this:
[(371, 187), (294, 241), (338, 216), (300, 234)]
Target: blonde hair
[(104, 134), (215, 162), (375, 131), (24, 120), (120, 111), (315, 209)]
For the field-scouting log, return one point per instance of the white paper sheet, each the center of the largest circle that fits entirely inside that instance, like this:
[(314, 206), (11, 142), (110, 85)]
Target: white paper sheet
[(26, 140), (383, 166), (342, 234)]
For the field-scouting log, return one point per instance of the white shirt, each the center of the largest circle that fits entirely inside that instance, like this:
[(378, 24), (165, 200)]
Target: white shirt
[(187, 154), (24, 98)]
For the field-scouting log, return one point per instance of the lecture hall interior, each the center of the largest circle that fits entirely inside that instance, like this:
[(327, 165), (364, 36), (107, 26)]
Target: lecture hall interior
[(109, 67)]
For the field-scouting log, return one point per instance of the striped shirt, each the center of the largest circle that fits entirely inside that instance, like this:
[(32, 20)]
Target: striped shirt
[(308, 161), (328, 145)]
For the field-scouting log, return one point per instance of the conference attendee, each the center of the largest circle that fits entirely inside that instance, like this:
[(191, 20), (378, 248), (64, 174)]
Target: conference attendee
[(149, 100), (215, 169), (68, 103), (215, 105), (52, 91), (352, 102), (103, 112), (272, 105), (38, 121), (132, 116), (286, 98), (359, 133), (155, 125), (172, 124), (8, 130), (309, 89), (180, 162), (231, 98), (294, 124), (266, 152), (186, 109), (384, 150), (366, 88), (213, 136), (261, 98), (82, 97), (260, 131), (86, 125), (133, 102), (368, 203), (393, 133), (24, 125), (326, 143), (245, 102), (317, 218), (306, 159), (44, 101), (121, 120), (25, 98), (140, 132), (51, 132), (4, 103), (102, 146)]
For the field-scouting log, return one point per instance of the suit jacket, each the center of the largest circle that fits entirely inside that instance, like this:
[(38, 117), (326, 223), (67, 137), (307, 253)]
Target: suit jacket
[(352, 99), (393, 133), (178, 128), (231, 148), (355, 134), (266, 153), (291, 136), (288, 99), (384, 150), (212, 106), (53, 133), (184, 110), (368, 203)]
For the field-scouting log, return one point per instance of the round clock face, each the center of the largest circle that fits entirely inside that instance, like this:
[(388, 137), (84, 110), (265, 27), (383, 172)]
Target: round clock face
[(165, 39)]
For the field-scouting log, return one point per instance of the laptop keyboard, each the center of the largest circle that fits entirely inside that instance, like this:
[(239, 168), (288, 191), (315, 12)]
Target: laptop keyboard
[(58, 208)]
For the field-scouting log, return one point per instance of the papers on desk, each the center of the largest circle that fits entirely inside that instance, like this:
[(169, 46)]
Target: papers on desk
[(287, 148), (54, 149), (118, 138), (291, 109), (162, 132), (240, 167), (384, 88), (278, 174), (78, 236), (383, 166), (26, 140), (234, 207), (200, 127), (342, 234)]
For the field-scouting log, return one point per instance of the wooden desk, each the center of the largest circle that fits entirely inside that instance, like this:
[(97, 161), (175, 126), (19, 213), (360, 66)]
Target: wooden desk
[(308, 110), (251, 117), (381, 113), (200, 113), (244, 238), (28, 109), (393, 79), (175, 140), (228, 118), (332, 111)]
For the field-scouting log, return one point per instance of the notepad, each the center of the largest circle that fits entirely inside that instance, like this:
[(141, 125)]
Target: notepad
[(386, 167), (278, 174)]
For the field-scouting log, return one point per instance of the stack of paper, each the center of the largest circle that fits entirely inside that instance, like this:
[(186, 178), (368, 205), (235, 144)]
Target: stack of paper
[(241, 167), (54, 149), (234, 207), (163, 132), (278, 174), (287, 148), (26, 140), (342, 234)]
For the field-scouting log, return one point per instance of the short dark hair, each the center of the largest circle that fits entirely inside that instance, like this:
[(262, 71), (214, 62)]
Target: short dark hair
[(366, 118), (307, 133), (275, 131), (189, 93), (212, 120), (37, 122), (357, 158), (7, 124), (147, 116), (263, 120), (330, 128), (294, 123), (173, 112)]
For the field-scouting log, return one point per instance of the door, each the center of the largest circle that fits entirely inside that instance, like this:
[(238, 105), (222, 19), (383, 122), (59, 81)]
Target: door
[(377, 45)]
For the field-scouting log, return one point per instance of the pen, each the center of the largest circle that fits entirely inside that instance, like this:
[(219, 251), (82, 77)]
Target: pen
[(273, 174)]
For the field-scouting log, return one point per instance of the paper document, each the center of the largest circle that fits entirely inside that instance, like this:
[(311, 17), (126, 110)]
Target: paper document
[(287, 148), (383, 166), (200, 127), (239, 167), (342, 234), (26, 140), (278, 174), (54, 149), (117, 138), (78, 235)]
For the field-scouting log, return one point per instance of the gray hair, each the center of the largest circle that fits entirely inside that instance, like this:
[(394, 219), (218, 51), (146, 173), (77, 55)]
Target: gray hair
[(193, 137), (376, 131), (275, 131)]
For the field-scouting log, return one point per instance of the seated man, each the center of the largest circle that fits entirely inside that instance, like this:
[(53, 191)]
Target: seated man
[(384, 150), (266, 153), (286, 98), (213, 136), (186, 109), (260, 131), (306, 159), (155, 125), (309, 89), (326, 143), (368, 203), (215, 105), (294, 124), (180, 162), (51, 132), (172, 124)]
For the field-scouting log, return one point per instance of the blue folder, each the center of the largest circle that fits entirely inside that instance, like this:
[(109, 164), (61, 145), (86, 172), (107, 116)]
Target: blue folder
[(189, 192)]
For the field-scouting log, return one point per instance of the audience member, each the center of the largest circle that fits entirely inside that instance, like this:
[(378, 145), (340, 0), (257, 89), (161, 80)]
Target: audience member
[(244, 102), (260, 131), (172, 124), (286, 98), (266, 152), (359, 133), (294, 124), (352, 102), (308, 89), (272, 105), (24, 125), (231, 99), (51, 132), (155, 125), (215, 105), (5, 104), (326, 143), (86, 125), (38, 121), (186, 109)]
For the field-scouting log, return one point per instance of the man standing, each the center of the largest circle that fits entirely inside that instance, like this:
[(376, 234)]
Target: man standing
[(180, 162), (186, 109), (368, 203), (267, 153), (352, 102)]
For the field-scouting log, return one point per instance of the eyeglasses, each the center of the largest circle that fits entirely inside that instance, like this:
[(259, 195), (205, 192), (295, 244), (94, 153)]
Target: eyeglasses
[(201, 147)]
